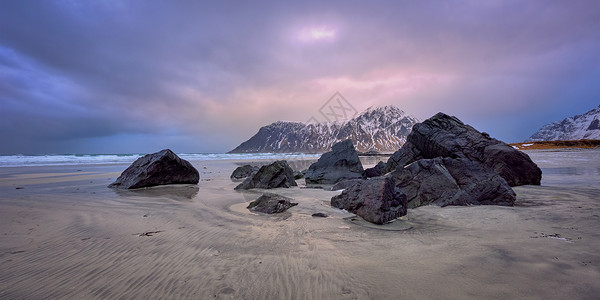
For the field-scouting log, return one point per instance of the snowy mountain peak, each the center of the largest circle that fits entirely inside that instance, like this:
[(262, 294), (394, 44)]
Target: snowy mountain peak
[(585, 126), (382, 129)]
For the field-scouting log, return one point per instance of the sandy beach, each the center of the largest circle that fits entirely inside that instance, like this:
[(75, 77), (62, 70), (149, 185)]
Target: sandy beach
[(64, 234)]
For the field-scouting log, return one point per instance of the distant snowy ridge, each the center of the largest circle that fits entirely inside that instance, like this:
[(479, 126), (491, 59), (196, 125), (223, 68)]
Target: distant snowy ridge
[(585, 126), (381, 129)]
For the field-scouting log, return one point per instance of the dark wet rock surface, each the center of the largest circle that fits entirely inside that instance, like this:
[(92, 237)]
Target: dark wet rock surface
[(160, 168), (446, 136), (447, 181), (276, 175), (376, 200), (377, 170), (342, 162), (244, 171)]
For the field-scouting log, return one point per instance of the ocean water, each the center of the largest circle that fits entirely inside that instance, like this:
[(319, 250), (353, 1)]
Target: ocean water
[(93, 159)]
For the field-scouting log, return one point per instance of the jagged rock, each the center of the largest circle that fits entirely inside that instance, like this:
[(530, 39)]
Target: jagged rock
[(243, 171), (163, 167), (376, 200), (447, 181), (446, 136), (275, 175), (270, 203), (344, 184), (377, 170), (340, 163), (404, 156)]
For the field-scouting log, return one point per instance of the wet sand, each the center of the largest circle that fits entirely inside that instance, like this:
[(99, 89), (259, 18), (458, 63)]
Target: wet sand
[(65, 235)]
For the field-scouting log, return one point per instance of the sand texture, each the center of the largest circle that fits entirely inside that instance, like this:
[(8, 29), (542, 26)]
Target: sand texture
[(64, 234)]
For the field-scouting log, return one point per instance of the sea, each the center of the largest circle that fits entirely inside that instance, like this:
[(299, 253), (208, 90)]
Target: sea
[(93, 159)]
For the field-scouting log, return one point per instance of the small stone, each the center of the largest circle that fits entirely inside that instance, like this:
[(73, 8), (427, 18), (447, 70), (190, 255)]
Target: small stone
[(320, 215), (270, 203)]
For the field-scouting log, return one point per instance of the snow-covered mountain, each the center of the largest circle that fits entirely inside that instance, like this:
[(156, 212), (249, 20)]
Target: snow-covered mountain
[(586, 126), (382, 129)]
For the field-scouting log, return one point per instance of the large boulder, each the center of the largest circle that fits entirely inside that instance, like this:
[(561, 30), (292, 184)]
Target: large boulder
[(243, 172), (448, 181), (275, 175), (446, 136), (163, 167), (376, 200), (270, 203), (340, 163)]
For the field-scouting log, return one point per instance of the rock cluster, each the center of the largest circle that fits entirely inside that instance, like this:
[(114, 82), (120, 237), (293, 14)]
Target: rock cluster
[(340, 163), (163, 167), (446, 136), (444, 162), (275, 175)]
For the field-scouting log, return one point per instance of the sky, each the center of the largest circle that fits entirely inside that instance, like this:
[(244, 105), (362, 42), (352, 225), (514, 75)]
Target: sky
[(203, 76)]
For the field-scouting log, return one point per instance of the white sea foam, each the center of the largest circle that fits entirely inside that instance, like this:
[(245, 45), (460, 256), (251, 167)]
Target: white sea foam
[(86, 159)]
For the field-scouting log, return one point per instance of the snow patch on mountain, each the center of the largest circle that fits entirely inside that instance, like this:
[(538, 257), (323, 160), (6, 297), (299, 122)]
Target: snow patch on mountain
[(381, 129), (585, 126)]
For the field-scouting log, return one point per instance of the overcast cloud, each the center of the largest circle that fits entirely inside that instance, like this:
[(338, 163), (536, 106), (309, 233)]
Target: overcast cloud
[(203, 76)]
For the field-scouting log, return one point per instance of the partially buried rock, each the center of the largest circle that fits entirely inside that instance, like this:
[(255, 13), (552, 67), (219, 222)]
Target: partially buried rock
[(275, 175), (447, 181), (320, 215), (376, 200), (163, 167), (340, 163), (446, 136), (375, 171), (270, 203), (243, 172)]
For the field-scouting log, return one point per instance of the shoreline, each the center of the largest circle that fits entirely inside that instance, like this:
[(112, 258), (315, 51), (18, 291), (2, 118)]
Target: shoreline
[(546, 145), (76, 238)]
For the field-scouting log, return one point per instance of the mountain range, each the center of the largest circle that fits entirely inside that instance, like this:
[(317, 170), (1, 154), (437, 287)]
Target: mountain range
[(382, 129), (585, 126)]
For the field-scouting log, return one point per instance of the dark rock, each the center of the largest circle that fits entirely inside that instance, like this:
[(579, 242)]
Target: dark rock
[(344, 184), (369, 153), (377, 170), (446, 136), (320, 215), (270, 203), (159, 168), (376, 200), (299, 174), (447, 181), (275, 175), (340, 163), (243, 172), (405, 155)]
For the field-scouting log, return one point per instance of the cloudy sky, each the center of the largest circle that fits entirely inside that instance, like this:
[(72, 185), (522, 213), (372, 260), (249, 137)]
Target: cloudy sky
[(202, 76)]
